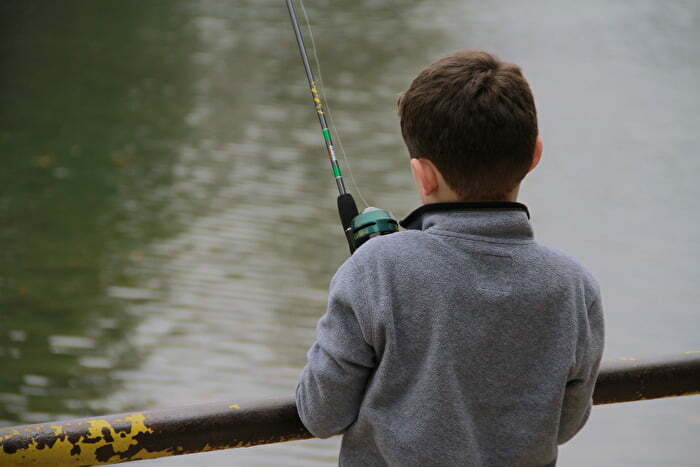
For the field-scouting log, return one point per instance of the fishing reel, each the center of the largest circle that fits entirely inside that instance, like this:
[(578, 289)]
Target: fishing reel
[(370, 223), (361, 226)]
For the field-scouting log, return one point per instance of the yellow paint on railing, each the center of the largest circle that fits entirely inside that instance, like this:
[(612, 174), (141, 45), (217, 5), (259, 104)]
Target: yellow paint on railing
[(100, 434)]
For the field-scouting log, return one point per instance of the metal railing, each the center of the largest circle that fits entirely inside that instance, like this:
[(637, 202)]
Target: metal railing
[(169, 432)]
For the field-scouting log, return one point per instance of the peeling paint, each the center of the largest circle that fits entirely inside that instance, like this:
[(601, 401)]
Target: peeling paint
[(123, 438), (99, 444)]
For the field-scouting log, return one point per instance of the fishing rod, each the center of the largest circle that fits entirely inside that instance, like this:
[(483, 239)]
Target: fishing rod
[(358, 227)]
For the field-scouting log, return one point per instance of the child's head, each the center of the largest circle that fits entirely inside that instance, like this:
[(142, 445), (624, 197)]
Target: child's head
[(473, 118)]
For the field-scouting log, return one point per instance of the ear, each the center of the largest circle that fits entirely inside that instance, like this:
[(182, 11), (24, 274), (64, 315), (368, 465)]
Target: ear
[(425, 175), (537, 155)]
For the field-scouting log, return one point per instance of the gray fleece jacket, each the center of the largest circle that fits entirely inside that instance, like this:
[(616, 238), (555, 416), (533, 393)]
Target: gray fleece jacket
[(460, 341)]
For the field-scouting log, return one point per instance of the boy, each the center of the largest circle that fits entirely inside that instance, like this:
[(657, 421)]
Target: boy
[(459, 341)]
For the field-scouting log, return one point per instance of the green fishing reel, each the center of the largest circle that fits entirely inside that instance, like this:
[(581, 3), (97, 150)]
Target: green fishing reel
[(371, 223)]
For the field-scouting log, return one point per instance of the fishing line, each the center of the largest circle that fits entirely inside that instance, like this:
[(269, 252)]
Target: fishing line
[(345, 157)]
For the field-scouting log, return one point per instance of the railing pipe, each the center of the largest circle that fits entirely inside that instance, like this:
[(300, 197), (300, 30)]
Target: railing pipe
[(113, 439), (637, 379)]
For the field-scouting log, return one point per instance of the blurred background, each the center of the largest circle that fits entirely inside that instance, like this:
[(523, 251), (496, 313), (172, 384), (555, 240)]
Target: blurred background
[(167, 216)]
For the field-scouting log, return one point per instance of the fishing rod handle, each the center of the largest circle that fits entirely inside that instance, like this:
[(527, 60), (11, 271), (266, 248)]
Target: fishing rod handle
[(347, 209)]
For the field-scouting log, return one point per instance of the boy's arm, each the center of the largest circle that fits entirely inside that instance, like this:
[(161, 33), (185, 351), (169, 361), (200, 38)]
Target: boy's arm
[(578, 398), (341, 360)]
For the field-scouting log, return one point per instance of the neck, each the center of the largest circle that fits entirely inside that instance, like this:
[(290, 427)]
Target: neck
[(446, 195)]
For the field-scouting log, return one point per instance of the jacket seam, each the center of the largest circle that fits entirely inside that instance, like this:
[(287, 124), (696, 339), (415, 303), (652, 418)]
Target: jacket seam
[(477, 238), (578, 364), (361, 273)]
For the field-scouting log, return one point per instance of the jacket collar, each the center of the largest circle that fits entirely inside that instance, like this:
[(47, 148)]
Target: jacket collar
[(499, 219)]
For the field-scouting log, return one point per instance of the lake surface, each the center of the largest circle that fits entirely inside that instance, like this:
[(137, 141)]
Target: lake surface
[(168, 220)]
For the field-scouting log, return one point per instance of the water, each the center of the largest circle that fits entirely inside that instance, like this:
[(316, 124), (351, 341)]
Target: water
[(167, 215)]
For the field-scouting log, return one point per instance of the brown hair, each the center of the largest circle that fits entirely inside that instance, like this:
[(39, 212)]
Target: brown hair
[(474, 117)]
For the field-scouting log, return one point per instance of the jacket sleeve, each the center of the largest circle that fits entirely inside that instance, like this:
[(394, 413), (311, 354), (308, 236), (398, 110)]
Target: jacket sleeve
[(578, 397), (341, 360)]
